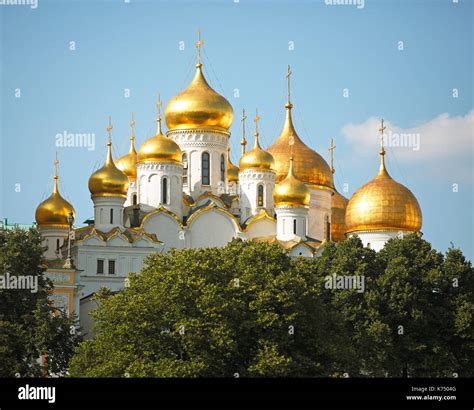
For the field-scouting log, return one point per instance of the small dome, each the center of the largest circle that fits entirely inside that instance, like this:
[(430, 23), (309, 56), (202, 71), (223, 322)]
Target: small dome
[(108, 180), (54, 211), (383, 204), (338, 217), (232, 170), (291, 191), (257, 158), (128, 163), (199, 106)]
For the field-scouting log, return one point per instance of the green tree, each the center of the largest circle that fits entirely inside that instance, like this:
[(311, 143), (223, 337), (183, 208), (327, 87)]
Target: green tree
[(246, 309), (29, 325)]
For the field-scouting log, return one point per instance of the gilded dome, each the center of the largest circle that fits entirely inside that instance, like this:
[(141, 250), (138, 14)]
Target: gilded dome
[(232, 170), (108, 180), (383, 204), (159, 148), (310, 167), (128, 163), (257, 158), (291, 191), (338, 217), (199, 107), (54, 211)]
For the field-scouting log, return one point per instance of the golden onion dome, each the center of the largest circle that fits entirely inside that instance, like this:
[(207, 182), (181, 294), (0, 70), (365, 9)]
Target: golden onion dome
[(54, 211), (383, 204), (291, 191), (199, 107), (159, 148), (232, 170), (108, 181), (338, 217), (310, 167), (128, 163), (257, 158)]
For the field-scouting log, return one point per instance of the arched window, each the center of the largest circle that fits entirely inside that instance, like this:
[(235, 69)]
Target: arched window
[(222, 168), (185, 168), (164, 191), (111, 215), (134, 199), (260, 195), (294, 226), (328, 229), (205, 177)]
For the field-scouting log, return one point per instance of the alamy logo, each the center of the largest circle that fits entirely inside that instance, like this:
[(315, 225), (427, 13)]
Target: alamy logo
[(9, 281), (346, 282), (75, 140), (37, 393)]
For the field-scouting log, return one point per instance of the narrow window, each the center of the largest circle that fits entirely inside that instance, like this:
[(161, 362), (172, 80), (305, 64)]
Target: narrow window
[(222, 168), (111, 215), (205, 168), (57, 245), (185, 168), (164, 191), (328, 229), (134, 199), (260, 195), (111, 267), (294, 226), (100, 266)]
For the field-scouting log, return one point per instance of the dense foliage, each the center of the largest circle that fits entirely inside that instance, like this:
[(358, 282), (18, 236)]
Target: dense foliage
[(248, 310), (30, 327)]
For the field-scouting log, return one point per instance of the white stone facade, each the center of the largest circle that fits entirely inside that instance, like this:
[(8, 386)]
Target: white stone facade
[(194, 144), (291, 222), (251, 200)]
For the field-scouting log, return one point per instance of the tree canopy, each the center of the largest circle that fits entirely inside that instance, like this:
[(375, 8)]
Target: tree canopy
[(249, 310), (30, 326)]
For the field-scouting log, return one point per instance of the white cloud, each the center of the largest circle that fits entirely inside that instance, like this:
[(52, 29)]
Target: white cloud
[(443, 137)]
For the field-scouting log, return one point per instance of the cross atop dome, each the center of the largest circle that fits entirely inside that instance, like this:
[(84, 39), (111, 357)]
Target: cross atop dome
[(198, 46)]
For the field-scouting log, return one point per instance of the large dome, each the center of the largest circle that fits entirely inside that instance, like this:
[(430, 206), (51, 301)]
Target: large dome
[(54, 211), (383, 204), (199, 106), (309, 166), (159, 149), (257, 158)]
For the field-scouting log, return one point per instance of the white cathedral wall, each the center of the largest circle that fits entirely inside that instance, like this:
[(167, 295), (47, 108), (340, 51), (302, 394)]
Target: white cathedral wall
[(211, 229), (166, 229), (102, 212), (319, 209), (301, 250), (51, 237), (376, 240), (132, 190), (150, 178), (194, 143), (249, 180), (286, 215), (262, 227)]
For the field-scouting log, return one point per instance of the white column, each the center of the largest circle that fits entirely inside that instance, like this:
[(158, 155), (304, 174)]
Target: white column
[(291, 222), (249, 182), (155, 177), (54, 239), (319, 209), (196, 143), (108, 212)]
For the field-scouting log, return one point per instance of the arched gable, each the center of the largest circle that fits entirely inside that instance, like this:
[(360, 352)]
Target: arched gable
[(166, 226), (260, 225)]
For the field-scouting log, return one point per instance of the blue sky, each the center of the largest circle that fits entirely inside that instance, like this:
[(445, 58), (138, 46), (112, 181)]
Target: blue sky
[(47, 88)]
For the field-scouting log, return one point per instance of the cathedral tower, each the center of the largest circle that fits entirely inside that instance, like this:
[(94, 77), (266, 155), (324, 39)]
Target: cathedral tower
[(54, 216), (257, 179), (199, 119), (160, 172), (292, 198), (108, 187)]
